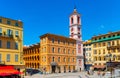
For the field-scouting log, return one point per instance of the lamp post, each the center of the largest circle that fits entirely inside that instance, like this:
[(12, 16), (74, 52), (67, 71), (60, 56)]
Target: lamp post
[(109, 55)]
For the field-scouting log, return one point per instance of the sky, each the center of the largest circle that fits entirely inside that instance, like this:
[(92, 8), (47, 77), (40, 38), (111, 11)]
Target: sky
[(52, 16)]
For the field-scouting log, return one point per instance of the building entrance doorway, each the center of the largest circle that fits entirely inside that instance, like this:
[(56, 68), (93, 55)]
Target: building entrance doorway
[(64, 69), (53, 69), (59, 70)]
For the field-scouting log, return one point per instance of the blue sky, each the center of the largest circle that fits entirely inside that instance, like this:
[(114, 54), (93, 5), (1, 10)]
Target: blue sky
[(52, 16)]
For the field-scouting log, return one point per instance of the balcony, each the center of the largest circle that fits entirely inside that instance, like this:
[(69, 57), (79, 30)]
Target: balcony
[(2, 62), (6, 36), (111, 47)]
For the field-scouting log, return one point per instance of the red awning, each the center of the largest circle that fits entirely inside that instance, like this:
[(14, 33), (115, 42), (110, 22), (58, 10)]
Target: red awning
[(4, 74), (8, 70)]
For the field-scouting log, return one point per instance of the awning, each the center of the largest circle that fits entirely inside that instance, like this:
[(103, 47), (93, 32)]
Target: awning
[(8, 70), (99, 66)]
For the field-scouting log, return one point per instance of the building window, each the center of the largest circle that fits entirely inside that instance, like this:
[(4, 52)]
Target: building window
[(95, 51), (104, 58), (118, 57), (44, 40), (95, 58), (16, 57), (68, 43), (99, 44), (113, 43), (9, 32), (44, 58), (78, 36), (104, 37), (0, 20), (68, 59), (113, 35), (118, 42), (73, 59), (68, 51), (53, 59), (118, 34), (86, 54), (8, 44), (72, 20), (64, 60), (99, 51), (8, 22), (8, 58), (72, 51), (73, 43), (109, 36), (64, 51), (58, 59), (58, 50), (44, 49), (89, 49), (16, 45), (58, 41), (89, 54), (99, 58), (103, 51), (0, 57), (16, 24), (72, 29), (0, 31), (78, 19), (0, 43), (53, 49), (78, 28), (94, 45), (108, 44), (53, 40), (64, 42), (16, 33)]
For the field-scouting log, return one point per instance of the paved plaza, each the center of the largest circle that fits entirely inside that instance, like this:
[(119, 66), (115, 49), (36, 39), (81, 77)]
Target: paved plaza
[(66, 75)]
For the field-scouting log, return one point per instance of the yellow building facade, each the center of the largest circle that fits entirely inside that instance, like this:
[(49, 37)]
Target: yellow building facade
[(103, 45), (11, 42)]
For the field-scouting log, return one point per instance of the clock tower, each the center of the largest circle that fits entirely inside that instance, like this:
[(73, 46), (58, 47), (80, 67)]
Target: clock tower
[(75, 33)]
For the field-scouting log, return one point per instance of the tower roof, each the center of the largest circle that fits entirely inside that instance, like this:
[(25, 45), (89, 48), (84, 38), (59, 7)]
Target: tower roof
[(74, 12)]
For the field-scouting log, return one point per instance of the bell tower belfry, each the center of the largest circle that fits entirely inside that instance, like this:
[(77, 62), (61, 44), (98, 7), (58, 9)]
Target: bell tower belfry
[(75, 25), (75, 33)]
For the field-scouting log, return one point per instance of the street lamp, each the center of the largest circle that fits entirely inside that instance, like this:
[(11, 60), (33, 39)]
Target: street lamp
[(109, 55)]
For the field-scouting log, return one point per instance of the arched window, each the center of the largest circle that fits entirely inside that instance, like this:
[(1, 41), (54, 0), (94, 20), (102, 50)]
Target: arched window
[(58, 59), (71, 20), (53, 59), (99, 58), (78, 19)]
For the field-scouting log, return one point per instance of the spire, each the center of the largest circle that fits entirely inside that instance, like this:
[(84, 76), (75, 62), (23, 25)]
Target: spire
[(75, 10)]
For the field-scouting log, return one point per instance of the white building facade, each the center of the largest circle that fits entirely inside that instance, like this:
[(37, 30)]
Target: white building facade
[(75, 33)]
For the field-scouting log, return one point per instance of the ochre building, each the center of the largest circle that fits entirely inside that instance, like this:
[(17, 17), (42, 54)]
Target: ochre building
[(11, 42), (32, 56), (56, 54)]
